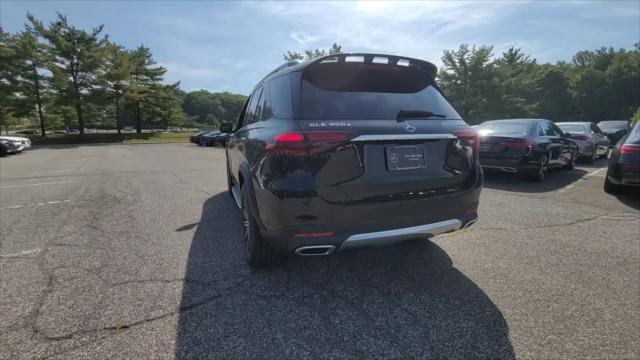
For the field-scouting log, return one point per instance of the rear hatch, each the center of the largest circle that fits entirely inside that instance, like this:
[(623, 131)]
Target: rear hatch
[(377, 128)]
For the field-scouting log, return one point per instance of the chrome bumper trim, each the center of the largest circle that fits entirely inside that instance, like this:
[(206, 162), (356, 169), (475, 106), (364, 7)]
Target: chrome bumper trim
[(502, 168), (388, 137), (380, 238)]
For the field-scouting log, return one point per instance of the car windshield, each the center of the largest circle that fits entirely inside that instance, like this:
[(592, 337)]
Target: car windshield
[(504, 128), (573, 128), (369, 91), (613, 125)]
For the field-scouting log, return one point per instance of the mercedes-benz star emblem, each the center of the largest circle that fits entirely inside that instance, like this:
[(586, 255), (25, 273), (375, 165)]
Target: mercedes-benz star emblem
[(393, 158), (409, 127)]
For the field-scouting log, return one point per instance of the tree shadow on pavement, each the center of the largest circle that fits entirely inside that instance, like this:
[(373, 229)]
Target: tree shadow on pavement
[(555, 179), (404, 301)]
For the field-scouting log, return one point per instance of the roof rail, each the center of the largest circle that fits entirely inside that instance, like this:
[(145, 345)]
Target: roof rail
[(283, 66)]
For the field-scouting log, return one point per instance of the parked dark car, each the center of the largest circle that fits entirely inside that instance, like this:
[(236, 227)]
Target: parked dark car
[(615, 129), (7, 147), (591, 140), (195, 138), (221, 139), (209, 138), (624, 163), (525, 146), (350, 150)]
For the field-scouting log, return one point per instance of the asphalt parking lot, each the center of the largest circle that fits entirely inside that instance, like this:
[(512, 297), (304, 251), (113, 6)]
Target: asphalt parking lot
[(135, 251)]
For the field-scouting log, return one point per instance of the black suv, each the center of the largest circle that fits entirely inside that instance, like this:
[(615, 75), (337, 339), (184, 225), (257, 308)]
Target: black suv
[(350, 150)]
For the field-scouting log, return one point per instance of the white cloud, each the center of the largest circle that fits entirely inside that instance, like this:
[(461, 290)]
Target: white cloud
[(412, 28), (302, 37)]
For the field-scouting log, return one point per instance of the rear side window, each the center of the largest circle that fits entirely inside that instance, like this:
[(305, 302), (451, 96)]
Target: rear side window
[(251, 113), (634, 135), (368, 91), (280, 96), (555, 130)]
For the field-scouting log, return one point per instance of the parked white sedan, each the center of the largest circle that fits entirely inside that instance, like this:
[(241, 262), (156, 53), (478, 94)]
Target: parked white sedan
[(21, 143)]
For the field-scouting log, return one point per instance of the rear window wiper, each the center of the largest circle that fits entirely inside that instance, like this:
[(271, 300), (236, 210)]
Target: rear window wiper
[(411, 114)]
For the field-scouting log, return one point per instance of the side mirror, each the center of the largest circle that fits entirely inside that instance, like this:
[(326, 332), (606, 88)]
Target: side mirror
[(566, 135), (226, 128)]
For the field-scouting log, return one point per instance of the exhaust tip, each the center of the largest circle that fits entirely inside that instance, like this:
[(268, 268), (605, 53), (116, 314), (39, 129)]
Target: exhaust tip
[(470, 222), (315, 250)]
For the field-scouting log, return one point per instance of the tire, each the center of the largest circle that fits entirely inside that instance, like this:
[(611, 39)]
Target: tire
[(258, 253), (609, 187), (591, 159), (572, 162), (539, 174)]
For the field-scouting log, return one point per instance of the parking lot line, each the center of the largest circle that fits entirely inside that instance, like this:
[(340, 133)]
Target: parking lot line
[(38, 204), (38, 184), (22, 253), (596, 171)]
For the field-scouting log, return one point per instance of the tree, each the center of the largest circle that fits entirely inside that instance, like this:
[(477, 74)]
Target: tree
[(555, 101), (515, 87), (144, 77), (116, 77), (312, 54), (7, 77), (164, 106), (31, 82), (467, 78), (77, 57)]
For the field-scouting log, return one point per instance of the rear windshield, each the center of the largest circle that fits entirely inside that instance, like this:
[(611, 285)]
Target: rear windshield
[(369, 91), (634, 135), (572, 128), (504, 129), (612, 125)]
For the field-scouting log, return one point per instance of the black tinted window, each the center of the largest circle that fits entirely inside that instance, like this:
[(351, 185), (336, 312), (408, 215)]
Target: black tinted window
[(250, 114), (613, 125), (368, 91), (280, 93), (504, 128), (573, 128), (555, 130)]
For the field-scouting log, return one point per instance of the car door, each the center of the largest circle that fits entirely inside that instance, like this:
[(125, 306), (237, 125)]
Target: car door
[(552, 142), (564, 144), (601, 139)]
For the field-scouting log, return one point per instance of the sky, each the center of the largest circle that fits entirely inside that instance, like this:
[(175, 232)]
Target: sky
[(229, 46)]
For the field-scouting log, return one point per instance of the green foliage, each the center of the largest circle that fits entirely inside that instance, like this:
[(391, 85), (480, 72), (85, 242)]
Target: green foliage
[(312, 54), (76, 58), (595, 85), (636, 117), (144, 82), (212, 109)]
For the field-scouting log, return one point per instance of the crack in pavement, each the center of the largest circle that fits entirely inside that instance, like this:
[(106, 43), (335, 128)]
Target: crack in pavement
[(575, 222)]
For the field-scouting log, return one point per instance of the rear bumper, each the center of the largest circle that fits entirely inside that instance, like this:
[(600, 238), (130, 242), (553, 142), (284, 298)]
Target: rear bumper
[(627, 175), (373, 224), (509, 165)]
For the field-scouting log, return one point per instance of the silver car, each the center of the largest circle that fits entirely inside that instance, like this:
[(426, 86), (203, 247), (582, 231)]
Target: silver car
[(591, 140)]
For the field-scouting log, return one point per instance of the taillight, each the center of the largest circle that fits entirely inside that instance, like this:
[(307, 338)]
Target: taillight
[(309, 143), (518, 143), (581, 137), (629, 148), (469, 138)]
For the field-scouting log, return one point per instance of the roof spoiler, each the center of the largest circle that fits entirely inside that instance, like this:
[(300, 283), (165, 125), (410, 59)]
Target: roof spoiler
[(377, 59)]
